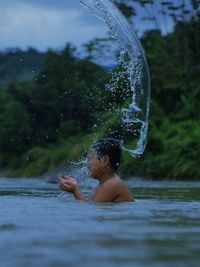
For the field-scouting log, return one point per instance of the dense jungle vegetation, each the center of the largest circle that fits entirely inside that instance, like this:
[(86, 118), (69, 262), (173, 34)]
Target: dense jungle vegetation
[(49, 102)]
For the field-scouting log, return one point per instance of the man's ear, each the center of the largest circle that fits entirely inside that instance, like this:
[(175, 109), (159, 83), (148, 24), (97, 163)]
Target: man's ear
[(105, 160)]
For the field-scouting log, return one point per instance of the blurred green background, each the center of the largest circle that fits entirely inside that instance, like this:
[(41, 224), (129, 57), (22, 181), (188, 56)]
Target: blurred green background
[(50, 101)]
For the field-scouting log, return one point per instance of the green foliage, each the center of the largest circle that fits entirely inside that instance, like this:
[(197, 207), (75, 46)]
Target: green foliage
[(126, 9), (64, 90), (172, 152), (39, 160), (55, 118), (15, 130), (15, 63)]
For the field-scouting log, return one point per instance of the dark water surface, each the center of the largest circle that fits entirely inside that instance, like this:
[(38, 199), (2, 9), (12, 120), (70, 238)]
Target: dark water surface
[(40, 227)]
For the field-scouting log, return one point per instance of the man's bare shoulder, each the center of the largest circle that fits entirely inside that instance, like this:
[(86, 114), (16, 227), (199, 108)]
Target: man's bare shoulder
[(121, 191), (112, 190), (114, 183)]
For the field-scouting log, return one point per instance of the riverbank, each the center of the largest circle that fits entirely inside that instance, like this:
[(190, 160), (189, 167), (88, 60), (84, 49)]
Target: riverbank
[(170, 154)]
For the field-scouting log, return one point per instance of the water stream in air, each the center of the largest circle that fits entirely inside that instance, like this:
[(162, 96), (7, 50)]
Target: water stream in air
[(132, 57)]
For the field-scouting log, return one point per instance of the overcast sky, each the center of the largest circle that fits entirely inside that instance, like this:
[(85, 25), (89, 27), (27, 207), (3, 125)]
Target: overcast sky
[(43, 24), (46, 24)]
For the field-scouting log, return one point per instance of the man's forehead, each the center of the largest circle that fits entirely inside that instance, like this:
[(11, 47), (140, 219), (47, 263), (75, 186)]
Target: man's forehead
[(91, 152)]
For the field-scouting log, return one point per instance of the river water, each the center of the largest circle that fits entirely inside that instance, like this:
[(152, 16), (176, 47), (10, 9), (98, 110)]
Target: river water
[(41, 227)]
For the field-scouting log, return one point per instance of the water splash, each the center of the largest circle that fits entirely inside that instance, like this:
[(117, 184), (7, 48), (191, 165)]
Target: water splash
[(135, 115), (78, 170)]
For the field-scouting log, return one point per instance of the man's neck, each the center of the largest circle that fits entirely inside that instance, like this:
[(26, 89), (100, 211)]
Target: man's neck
[(106, 176)]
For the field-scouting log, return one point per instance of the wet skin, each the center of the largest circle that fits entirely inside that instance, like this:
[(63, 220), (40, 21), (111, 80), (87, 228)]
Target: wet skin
[(111, 188)]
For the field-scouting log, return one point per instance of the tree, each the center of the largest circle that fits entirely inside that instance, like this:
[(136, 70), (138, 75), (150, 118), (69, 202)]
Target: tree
[(15, 130)]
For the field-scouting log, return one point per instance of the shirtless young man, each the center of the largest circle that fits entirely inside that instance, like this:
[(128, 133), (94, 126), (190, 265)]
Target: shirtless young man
[(103, 161)]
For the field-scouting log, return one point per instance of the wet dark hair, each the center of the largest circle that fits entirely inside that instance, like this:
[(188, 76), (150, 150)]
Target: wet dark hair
[(109, 147)]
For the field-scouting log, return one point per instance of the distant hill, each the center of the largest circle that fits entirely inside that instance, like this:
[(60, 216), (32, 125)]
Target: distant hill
[(19, 64)]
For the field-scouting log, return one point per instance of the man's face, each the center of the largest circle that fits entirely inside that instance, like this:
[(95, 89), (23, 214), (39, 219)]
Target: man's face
[(93, 164)]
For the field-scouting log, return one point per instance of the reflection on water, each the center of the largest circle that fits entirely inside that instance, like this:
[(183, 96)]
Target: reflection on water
[(38, 228)]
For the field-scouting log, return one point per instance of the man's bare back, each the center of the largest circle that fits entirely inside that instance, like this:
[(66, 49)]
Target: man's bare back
[(112, 190)]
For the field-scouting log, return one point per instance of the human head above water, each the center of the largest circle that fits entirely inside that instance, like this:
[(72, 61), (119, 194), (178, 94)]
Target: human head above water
[(108, 147)]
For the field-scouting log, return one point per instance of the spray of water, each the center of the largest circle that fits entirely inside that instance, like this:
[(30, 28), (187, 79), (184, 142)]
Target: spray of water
[(135, 115), (78, 170)]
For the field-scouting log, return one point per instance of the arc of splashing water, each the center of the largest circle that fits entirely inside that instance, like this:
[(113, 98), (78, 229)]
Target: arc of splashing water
[(137, 67)]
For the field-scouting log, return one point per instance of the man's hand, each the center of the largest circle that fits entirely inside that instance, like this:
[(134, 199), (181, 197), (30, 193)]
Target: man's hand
[(68, 184)]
